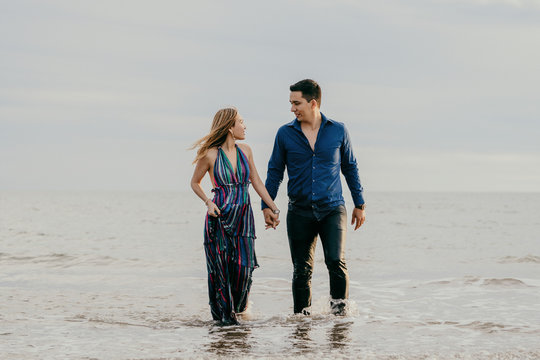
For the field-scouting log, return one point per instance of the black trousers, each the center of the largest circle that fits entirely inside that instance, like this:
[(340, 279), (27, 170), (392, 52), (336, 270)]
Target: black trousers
[(302, 232)]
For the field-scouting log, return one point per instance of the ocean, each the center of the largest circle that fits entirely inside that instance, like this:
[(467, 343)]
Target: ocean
[(122, 275)]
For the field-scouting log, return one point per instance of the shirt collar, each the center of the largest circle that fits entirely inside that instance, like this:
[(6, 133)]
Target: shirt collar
[(296, 124)]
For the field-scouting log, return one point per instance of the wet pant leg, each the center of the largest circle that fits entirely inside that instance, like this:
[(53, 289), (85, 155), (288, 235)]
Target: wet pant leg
[(332, 231), (302, 234)]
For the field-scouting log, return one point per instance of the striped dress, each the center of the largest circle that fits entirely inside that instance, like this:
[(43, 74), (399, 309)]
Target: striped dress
[(229, 239)]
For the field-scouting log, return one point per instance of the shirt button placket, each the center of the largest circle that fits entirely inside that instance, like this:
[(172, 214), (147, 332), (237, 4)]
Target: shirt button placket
[(313, 176)]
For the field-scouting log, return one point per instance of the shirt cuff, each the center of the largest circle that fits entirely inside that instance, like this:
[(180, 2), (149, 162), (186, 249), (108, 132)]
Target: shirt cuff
[(359, 200)]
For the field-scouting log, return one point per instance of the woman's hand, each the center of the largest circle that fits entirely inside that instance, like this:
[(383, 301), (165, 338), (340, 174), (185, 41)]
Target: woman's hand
[(213, 209), (271, 220)]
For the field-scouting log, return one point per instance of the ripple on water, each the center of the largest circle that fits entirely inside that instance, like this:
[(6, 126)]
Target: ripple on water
[(506, 282), (533, 259), (62, 260), (477, 281), (52, 258)]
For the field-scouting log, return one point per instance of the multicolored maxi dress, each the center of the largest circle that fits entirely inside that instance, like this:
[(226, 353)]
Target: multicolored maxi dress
[(229, 239)]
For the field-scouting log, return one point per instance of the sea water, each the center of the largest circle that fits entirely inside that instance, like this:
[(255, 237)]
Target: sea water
[(122, 275)]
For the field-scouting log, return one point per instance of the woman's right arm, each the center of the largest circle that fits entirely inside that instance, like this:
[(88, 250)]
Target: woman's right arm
[(201, 168)]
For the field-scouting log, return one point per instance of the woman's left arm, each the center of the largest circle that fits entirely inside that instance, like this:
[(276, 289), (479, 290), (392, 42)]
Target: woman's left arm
[(256, 181)]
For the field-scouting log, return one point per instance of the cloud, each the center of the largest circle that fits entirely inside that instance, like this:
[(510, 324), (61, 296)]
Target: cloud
[(534, 4), (416, 77)]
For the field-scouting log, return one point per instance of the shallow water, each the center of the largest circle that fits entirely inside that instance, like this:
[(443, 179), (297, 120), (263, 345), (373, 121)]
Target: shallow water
[(109, 275)]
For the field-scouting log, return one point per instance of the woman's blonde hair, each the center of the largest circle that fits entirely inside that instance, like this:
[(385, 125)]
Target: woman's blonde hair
[(223, 121)]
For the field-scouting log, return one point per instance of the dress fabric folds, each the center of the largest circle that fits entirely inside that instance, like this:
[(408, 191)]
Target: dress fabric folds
[(229, 239)]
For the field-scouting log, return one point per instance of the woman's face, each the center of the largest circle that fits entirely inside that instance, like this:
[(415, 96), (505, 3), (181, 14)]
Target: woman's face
[(239, 129)]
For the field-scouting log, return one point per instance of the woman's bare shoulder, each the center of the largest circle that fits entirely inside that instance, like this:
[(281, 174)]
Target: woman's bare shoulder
[(245, 148), (212, 152), (210, 156)]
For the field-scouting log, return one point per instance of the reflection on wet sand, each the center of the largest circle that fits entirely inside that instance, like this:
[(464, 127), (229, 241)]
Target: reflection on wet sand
[(339, 335), (229, 340), (303, 339), (300, 338)]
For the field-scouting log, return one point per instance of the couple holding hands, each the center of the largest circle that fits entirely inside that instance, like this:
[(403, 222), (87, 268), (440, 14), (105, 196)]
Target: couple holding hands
[(315, 150)]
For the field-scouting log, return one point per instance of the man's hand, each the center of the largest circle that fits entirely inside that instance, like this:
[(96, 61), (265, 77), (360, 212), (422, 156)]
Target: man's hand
[(271, 220), (358, 218)]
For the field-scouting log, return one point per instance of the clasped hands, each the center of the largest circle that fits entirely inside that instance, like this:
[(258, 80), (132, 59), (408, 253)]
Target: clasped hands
[(271, 220)]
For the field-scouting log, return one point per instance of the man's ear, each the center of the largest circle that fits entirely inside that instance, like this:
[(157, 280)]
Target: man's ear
[(313, 104)]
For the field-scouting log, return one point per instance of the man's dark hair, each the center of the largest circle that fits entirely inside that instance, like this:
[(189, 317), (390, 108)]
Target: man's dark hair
[(310, 90)]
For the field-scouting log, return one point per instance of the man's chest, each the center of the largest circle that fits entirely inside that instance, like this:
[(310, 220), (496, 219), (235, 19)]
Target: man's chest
[(311, 136), (304, 148)]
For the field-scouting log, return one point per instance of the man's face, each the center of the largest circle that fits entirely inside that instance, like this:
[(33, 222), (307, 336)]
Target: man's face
[(299, 106)]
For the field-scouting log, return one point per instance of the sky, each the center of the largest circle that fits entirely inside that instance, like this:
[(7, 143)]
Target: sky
[(438, 95)]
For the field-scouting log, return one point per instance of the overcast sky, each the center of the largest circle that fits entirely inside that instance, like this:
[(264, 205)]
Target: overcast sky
[(438, 95)]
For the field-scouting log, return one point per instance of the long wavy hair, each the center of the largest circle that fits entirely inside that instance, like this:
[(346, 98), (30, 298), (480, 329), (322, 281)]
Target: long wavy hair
[(223, 121)]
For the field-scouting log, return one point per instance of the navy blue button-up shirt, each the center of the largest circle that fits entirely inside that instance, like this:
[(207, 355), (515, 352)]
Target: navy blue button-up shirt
[(314, 185)]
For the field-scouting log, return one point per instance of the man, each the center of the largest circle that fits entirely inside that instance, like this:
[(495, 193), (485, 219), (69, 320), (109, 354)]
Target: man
[(314, 149)]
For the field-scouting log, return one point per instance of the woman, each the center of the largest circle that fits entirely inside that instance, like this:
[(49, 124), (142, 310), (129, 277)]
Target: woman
[(229, 231)]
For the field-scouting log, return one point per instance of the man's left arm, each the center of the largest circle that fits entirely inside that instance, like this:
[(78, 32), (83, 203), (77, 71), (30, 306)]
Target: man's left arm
[(349, 168)]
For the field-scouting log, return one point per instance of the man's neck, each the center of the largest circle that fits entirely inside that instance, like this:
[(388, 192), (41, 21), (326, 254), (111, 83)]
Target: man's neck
[(313, 122)]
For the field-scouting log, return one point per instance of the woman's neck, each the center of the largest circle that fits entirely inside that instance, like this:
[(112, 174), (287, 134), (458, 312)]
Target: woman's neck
[(229, 144)]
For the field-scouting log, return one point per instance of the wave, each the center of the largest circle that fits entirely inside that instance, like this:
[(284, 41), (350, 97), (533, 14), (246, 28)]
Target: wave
[(365, 354), (48, 258), (525, 259), (476, 281), (510, 282), (163, 321), (202, 319), (62, 260), (83, 318), (488, 327)]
